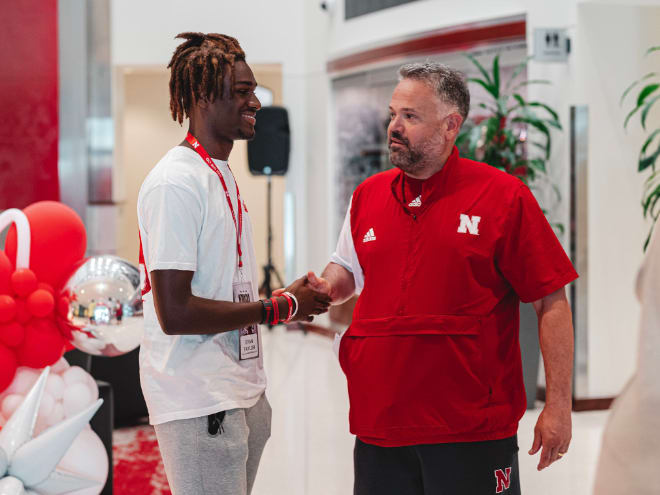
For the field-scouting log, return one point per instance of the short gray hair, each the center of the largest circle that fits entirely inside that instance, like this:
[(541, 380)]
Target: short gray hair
[(449, 84)]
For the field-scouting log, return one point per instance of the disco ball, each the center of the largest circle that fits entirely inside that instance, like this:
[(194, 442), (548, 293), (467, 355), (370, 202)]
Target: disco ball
[(105, 307)]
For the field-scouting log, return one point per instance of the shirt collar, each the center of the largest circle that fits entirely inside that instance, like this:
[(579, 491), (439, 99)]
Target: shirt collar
[(433, 187)]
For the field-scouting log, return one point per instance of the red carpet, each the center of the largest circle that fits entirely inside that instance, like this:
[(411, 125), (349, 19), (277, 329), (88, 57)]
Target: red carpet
[(138, 468)]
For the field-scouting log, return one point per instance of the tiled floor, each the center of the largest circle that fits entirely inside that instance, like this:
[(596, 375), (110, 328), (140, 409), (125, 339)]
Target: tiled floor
[(310, 451)]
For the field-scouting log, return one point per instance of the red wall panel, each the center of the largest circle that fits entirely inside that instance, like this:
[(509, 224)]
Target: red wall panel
[(28, 102)]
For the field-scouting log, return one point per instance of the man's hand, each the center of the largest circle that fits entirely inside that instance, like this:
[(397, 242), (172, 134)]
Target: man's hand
[(310, 301), (318, 284), (553, 434)]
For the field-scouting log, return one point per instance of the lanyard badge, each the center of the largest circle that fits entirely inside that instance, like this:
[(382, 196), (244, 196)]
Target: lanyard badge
[(239, 225)]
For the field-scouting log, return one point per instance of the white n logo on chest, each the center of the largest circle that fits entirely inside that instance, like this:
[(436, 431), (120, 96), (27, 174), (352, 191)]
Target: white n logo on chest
[(469, 224)]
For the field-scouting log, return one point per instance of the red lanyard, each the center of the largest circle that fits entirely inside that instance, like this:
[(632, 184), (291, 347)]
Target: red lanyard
[(239, 226)]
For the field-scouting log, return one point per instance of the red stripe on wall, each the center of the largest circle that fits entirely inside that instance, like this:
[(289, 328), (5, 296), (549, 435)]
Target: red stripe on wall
[(449, 40), (28, 102)]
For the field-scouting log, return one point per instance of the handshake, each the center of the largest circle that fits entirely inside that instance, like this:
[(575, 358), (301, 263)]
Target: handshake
[(311, 293)]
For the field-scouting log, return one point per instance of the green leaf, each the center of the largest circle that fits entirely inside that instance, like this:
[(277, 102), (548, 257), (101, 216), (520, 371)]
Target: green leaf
[(496, 74), (492, 126), (530, 81), (646, 91), (559, 227), (647, 161), (520, 99), (651, 50), (553, 123), (648, 238), (629, 116), (486, 107), (483, 71), (651, 200), (538, 164), (647, 108), (648, 142), (518, 70), (629, 88), (540, 125), (554, 114), (487, 86)]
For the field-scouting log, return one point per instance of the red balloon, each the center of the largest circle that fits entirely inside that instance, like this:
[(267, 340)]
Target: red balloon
[(42, 346), (8, 367), (58, 241), (6, 269), (7, 308), (23, 315), (48, 287), (11, 334), (40, 303), (24, 282), (63, 307)]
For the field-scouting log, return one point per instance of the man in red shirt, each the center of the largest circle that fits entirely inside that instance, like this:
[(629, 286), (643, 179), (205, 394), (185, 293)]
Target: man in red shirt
[(442, 250)]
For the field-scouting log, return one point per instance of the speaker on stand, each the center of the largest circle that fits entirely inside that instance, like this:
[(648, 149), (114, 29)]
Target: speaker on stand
[(268, 155)]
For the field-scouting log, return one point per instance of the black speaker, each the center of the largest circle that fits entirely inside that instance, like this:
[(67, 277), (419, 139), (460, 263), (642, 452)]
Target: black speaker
[(268, 152)]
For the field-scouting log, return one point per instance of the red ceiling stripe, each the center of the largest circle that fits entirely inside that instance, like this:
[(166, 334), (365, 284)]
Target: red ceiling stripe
[(438, 42)]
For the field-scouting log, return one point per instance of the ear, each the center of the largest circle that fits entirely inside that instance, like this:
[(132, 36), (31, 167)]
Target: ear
[(454, 122)]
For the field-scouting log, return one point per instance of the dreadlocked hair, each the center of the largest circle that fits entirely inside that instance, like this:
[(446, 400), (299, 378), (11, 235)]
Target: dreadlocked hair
[(198, 67)]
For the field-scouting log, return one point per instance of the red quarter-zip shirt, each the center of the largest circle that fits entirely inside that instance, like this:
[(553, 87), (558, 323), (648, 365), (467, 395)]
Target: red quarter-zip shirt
[(432, 354)]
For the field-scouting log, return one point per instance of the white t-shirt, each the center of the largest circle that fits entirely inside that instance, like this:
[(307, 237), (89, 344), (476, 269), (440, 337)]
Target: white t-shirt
[(185, 224), (346, 256)]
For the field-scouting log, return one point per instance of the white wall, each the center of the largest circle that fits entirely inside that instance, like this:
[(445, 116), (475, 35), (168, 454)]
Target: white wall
[(607, 63)]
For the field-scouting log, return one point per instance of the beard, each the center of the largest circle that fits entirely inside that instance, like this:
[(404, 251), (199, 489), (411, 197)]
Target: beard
[(413, 159)]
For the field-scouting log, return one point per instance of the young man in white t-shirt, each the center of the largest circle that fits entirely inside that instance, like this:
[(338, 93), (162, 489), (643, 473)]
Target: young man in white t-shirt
[(201, 362)]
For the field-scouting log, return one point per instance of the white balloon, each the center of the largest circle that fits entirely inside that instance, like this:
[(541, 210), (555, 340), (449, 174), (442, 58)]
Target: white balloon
[(46, 406), (76, 398), (17, 217), (11, 486), (93, 388), (40, 426), (75, 374), (23, 381), (10, 404), (55, 386), (87, 458), (57, 415), (61, 366)]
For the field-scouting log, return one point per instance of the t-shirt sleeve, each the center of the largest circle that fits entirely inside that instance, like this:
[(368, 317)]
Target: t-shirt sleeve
[(345, 254), (529, 254), (171, 217)]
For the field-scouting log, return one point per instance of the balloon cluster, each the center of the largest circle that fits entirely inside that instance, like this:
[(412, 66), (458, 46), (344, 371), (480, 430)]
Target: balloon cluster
[(68, 390), (34, 328)]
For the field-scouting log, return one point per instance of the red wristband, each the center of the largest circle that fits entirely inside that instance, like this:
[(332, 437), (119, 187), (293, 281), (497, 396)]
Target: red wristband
[(276, 312)]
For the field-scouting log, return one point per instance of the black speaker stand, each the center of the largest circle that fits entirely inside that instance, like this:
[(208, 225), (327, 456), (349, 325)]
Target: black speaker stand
[(269, 269)]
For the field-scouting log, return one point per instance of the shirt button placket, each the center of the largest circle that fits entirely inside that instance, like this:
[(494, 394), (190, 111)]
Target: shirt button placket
[(405, 279)]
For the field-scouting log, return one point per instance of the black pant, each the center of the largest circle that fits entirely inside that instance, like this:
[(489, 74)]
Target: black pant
[(467, 468)]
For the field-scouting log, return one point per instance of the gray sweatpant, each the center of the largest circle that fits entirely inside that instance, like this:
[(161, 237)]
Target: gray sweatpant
[(197, 463)]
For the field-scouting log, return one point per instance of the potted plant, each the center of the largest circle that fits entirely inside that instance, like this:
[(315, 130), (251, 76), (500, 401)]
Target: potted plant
[(513, 135), (648, 154)]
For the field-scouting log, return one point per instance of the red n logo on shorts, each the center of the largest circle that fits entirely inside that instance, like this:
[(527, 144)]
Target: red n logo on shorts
[(503, 479)]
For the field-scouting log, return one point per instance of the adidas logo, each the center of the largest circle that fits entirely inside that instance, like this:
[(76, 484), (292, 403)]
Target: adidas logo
[(417, 202), (369, 236)]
